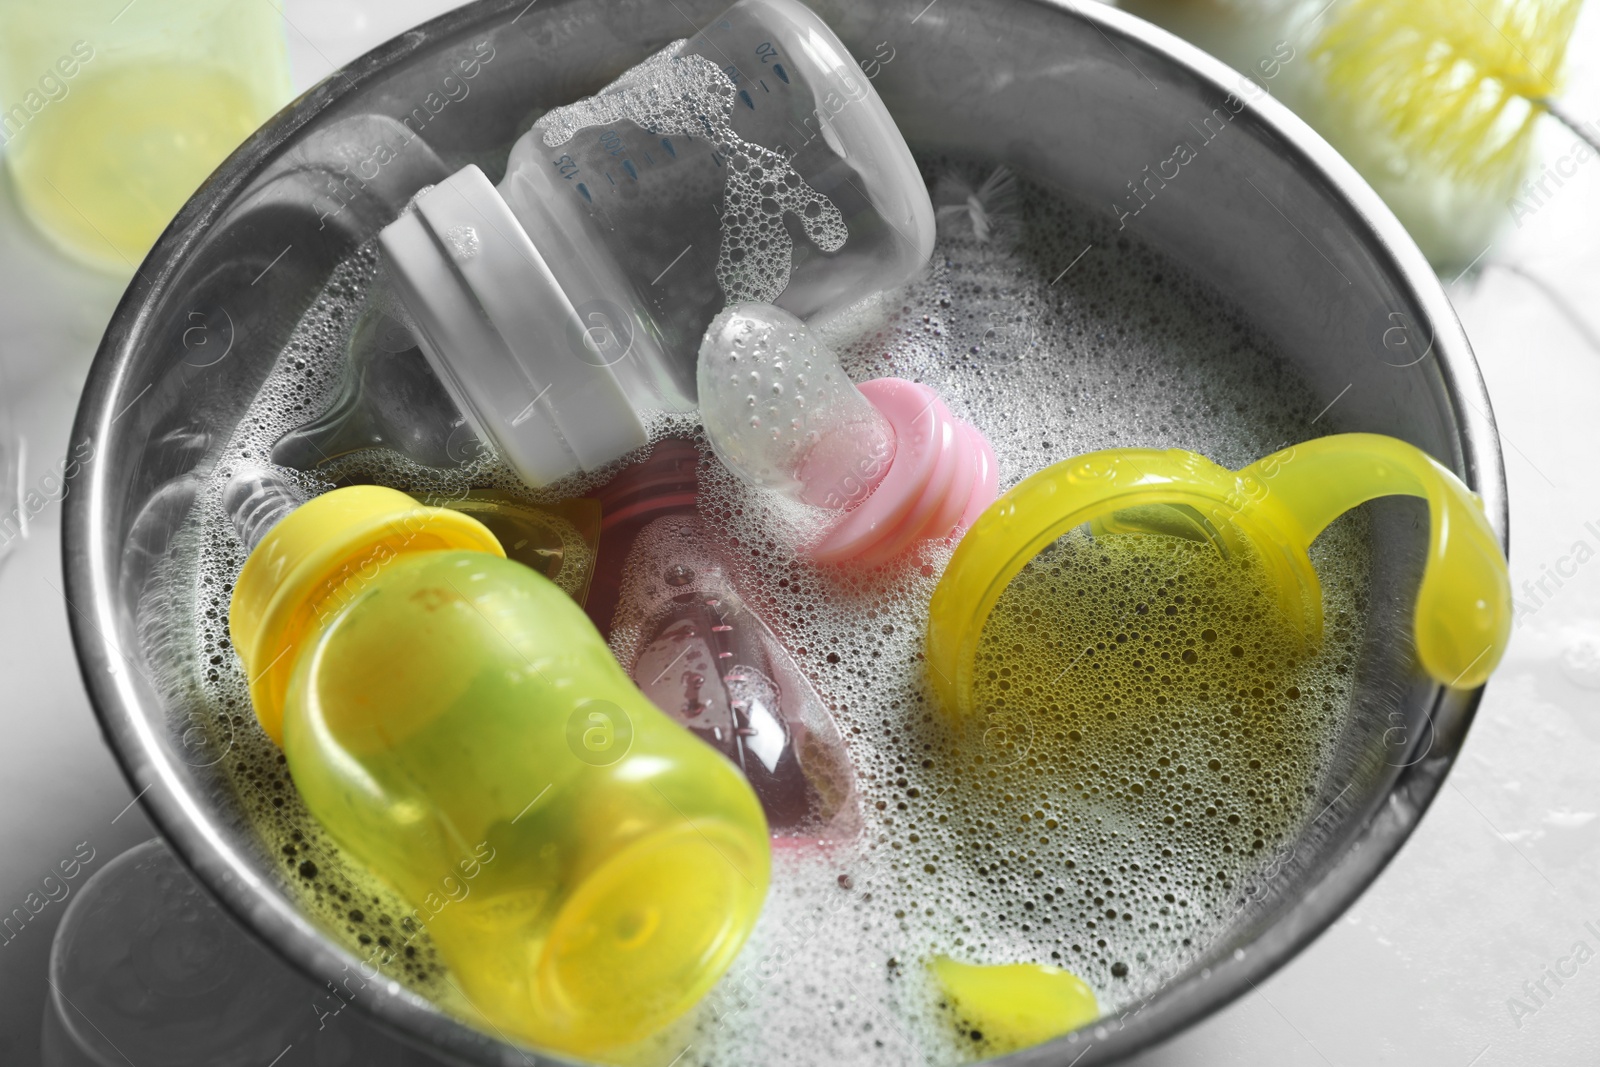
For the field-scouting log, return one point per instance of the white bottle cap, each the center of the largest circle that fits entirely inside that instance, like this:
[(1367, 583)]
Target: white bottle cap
[(503, 336)]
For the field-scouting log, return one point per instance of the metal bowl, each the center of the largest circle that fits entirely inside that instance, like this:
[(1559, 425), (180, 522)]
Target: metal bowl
[(1088, 99)]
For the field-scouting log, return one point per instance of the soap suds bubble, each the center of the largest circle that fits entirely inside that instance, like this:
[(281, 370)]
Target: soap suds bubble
[(1165, 695), (688, 95), (992, 842)]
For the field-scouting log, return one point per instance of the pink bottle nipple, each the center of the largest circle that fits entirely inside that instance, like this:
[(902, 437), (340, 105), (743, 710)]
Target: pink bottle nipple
[(702, 656)]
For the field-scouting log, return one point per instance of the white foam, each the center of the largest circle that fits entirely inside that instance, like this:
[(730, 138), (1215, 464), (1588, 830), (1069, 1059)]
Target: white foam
[(687, 95)]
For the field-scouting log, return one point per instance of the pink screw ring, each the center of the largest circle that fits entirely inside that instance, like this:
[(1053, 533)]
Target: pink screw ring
[(942, 477), (781, 413)]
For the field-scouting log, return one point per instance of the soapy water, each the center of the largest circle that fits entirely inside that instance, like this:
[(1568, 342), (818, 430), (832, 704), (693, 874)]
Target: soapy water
[(1015, 841), (1156, 704), (668, 95)]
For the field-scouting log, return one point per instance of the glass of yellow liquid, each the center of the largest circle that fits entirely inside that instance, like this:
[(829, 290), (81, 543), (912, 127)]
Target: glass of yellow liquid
[(112, 112)]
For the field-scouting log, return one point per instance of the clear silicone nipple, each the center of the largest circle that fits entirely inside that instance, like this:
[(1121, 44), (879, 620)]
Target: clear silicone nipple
[(256, 499), (782, 413), (390, 398)]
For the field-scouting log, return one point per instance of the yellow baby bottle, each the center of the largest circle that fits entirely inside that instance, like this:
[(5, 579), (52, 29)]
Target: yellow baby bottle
[(459, 726)]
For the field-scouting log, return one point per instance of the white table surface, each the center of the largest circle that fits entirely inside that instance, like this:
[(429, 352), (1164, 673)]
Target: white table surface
[(1495, 886)]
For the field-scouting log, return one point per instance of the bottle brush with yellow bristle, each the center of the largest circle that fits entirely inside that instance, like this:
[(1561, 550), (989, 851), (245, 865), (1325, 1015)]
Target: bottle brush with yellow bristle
[(1459, 84)]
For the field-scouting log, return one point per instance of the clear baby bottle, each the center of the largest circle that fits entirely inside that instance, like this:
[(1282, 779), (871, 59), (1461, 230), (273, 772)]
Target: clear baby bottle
[(751, 162)]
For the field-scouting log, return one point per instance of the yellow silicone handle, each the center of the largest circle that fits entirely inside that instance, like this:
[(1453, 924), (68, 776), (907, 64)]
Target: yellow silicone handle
[(1276, 506), (1462, 619)]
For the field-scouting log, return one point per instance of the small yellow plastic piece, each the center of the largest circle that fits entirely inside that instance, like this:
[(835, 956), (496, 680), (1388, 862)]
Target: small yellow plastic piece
[(1275, 507), (1016, 1005), (586, 867), (561, 540)]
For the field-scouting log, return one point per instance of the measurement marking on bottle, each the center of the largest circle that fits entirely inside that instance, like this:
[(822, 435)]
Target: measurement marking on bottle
[(674, 263), (764, 85), (631, 170), (648, 160), (610, 179)]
